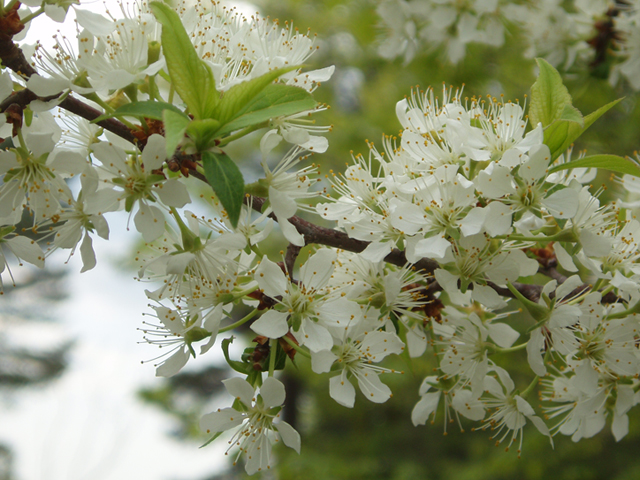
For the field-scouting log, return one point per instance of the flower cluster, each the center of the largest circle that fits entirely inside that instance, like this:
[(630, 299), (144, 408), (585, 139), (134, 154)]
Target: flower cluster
[(589, 33), (471, 235)]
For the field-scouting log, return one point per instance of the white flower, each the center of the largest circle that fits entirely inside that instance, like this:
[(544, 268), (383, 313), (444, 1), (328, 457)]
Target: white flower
[(555, 321), (461, 400), (360, 348), (254, 417), (22, 248), (141, 185), (510, 411), (178, 330), (284, 187), (192, 266), (35, 173), (307, 305)]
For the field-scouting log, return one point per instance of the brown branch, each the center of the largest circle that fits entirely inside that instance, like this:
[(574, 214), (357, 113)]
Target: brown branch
[(13, 58), (290, 258)]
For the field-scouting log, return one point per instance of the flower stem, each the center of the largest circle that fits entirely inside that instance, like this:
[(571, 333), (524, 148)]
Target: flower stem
[(28, 18), (239, 322), (530, 388), (273, 346), (512, 349), (296, 347), (240, 134)]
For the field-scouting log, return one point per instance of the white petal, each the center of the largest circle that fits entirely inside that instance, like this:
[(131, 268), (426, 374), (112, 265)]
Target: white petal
[(154, 153), (342, 391), (269, 141), (272, 324), (270, 278), (272, 392), (317, 270), (425, 407), (563, 203), (314, 336), (487, 296), (94, 23), (502, 334), (173, 193), (372, 387), (173, 364), (620, 426), (149, 222), (291, 233), (283, 205), (376, 251), (321, 361), (240, 389), (289, 435), (466, 405), (433, 247), (534, 355), (221, 420), (26, 249), (87, 253), (46, 86)]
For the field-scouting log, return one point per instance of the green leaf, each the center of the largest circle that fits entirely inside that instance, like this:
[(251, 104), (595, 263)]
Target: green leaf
[(613, 163), (227, 182), (146, 109), (175, 125), (203, 133), (190, 75), (562, 133), (274, 101), (239, 96), (548, 96)]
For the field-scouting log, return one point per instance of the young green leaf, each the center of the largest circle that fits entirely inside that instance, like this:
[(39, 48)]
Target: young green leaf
[(274, 101), (190, 75), (226, 180), (175, 125), (239, 96), (562, 133), (146, 109), (612, 163), (548, 96), (203, 133)]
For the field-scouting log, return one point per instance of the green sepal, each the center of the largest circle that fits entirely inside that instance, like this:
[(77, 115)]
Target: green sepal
[(567, 235), (190, 75), (153, 179), (238, 97), (613, 163), (203, 133), (145, 109), (6, 230), (211, 439), (225, 178), (195, 335), (128, 203), (281, 356), (258, 189), (237, 366), (275, 100), (537, 311), (175, 126), (549, 96)]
